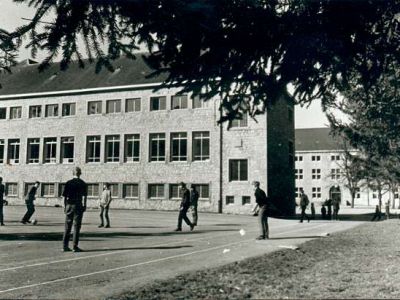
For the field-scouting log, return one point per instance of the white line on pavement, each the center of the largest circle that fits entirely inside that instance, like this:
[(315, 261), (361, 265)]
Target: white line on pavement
[(146, 262)]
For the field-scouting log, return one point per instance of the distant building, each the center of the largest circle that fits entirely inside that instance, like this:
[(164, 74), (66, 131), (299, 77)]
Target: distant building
[(318, 169), (124, 129)]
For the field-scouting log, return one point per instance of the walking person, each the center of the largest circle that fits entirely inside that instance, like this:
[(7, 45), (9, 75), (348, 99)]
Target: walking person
[(303, 205), (336, 208), (29, 201), (263, 204), (329, 205), (105, 200), (185, 204), (194, 199), (2, 191), (323, 211), (312, 211), (75, 197)]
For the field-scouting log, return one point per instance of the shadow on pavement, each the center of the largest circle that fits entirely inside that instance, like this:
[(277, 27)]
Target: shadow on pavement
[(295, 237), (139, 248), (57, 236), (344, 217)]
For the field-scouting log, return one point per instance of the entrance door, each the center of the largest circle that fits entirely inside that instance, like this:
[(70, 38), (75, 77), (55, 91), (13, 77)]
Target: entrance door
[(335, 193)]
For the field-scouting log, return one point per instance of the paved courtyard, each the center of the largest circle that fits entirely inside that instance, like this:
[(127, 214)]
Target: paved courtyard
[(139, 248)]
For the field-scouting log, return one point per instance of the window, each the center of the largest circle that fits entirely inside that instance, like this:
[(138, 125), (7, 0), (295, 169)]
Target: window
[(335, 174), (132, 147), (246, 200), (33, 151), (335, 157), (52, 110), (298, 173), (316, 173), (50, 150), (197, 102), (374, 196), (94, 107), (113, 106), (35, 111), (157, 147), (112, 148), (242, 122), (93, 190), (114, 190), (395, 195), (12, 189), (201, 145), (158, 103), (15, 112), (175, 191), (131, 190), (298, 158), (61, 188), (297, 191), (67, 150), (93, 149), (2, 151), (316, 192), (13, 151), (238, 170), (315, 158), (48, 189), (68, 109), (156, 191), (229, 200), (179, 146), (3, 113), (204, 191), (179, 102), (358, 195), (132, 105)]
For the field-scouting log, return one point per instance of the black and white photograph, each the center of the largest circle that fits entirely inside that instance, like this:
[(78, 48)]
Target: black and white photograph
[(199, 149)]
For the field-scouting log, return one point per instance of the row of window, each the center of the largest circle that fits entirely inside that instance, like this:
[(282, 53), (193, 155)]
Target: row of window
[(316, 192), (231, 200), (317, 158), (118, 190), (316, 174), (113, 148), (96, 107)]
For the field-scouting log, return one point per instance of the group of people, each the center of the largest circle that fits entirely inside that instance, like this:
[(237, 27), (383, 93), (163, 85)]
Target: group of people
[(75, 201)]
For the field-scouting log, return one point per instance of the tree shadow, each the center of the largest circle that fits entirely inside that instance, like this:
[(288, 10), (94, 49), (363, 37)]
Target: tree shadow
[(296, 237), (139, 248), (226, 224), (57, 236)]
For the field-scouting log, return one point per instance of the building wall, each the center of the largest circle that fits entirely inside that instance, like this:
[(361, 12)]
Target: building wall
[(326, 181), (238, 143)]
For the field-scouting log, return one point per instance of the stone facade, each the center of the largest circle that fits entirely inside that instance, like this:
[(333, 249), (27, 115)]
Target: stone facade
[(249, 142)]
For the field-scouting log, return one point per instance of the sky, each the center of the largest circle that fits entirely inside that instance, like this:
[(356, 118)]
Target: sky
[(11, 15)]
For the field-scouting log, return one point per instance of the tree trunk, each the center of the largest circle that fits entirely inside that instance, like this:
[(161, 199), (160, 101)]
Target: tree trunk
[(353, 196)]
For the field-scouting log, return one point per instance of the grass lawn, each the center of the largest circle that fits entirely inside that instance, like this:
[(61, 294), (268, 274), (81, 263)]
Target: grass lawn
[(363, 262)]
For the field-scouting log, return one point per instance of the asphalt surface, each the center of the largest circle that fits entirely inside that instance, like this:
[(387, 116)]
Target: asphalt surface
[(139, 248)]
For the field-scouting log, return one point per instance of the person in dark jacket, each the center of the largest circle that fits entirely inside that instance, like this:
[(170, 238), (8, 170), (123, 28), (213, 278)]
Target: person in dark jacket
[(263, 204), (194, 198), (29, 201), (328, 203), (75, 197), (185, 204), (303, 205), (323, 211), (2, 191)]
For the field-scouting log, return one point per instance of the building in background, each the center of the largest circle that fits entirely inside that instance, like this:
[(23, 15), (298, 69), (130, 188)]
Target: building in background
[(319, 169), (122, 128)]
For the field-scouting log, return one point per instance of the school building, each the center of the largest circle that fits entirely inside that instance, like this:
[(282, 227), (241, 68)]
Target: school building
[(319, 170), (122, 128)]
